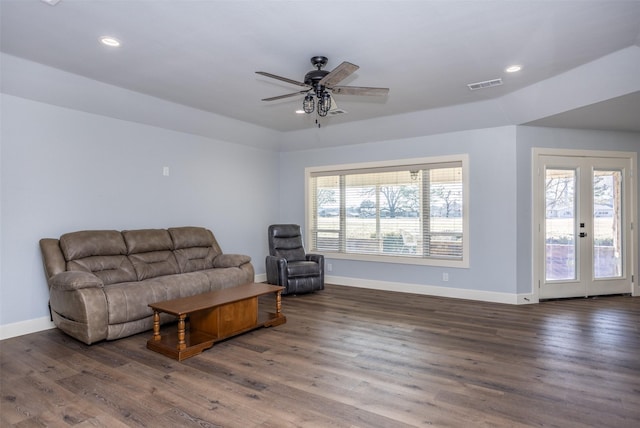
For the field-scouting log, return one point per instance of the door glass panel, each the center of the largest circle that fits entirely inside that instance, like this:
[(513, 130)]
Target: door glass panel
[(607, 222), (560, 227)]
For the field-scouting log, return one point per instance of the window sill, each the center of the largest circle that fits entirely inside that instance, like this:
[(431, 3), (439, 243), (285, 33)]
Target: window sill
[(407, 260)]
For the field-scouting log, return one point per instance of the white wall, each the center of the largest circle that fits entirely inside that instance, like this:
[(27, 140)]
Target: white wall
[(65, 170)]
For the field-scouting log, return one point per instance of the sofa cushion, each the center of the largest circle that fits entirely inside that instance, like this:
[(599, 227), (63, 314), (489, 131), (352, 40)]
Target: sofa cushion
[(110, 269), (154, 264), (150, 252), (187, 237), (195, 248), (220, 278), (195, 258), (86, 243), (130, 301), (145, 240)]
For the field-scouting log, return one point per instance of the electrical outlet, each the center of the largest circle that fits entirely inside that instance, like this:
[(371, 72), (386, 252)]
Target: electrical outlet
[(445, 276), (329, 267)]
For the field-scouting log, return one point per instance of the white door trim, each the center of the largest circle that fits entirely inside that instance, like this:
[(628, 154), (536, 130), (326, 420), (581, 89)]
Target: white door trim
[(537, 206)]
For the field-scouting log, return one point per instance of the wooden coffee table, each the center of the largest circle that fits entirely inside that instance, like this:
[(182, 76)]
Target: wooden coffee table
[(212, 317)]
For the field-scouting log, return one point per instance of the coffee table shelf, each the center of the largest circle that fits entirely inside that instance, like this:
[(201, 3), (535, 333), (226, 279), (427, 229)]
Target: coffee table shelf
[(212, 317)]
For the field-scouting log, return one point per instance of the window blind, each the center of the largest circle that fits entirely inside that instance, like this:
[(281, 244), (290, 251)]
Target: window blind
[(409, 210)]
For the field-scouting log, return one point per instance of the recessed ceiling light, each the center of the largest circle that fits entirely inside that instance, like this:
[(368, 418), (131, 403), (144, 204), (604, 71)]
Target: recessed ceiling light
[(299, 111), (51, 2), (110, 41), (513, 68)]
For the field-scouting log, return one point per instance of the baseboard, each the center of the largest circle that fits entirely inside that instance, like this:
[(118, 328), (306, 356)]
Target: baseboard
[(431, 290), (25, 327), (527, 299), (261, 277)]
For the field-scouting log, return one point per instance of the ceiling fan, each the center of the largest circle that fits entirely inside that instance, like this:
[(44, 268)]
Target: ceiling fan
[(320, 84)]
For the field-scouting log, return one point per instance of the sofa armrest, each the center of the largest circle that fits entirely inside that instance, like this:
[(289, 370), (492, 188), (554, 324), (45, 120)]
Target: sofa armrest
[(52, 257), (79, 306), (230, 260), (75, 280)]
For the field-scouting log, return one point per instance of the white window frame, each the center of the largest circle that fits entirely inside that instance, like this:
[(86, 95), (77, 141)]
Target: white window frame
[(427, 261)]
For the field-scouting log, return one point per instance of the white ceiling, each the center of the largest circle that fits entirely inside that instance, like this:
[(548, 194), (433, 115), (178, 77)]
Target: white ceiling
[(203, 54)]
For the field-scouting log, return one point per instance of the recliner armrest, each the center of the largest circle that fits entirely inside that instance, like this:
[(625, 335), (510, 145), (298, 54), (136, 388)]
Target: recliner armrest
[(318, 258), (276, 270)]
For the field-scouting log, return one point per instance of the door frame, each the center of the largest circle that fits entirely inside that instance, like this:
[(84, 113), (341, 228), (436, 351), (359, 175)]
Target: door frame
[(538, 205)]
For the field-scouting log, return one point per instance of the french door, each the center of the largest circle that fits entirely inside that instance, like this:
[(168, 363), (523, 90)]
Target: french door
[(584, 219)]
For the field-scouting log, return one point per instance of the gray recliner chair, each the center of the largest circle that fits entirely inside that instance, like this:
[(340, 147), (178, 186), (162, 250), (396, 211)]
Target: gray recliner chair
[(288, 264)]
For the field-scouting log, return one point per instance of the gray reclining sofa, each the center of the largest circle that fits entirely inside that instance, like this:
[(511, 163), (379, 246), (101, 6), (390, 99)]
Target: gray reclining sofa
[(102, 281)]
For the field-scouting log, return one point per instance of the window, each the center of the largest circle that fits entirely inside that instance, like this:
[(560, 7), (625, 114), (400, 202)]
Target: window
[(410, 211)]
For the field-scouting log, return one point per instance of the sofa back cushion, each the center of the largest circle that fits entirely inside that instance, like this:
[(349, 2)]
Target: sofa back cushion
[(101, 252), (110, 269), (194, 248), (76, 245), (150, 251)]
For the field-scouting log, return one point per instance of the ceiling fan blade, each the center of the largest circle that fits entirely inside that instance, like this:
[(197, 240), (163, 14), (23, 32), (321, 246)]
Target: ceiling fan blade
[(338, 74), (359, 90), (279, 97), (284, 79)]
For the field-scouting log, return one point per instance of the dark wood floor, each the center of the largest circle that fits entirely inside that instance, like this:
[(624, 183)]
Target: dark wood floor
[(350, 357)]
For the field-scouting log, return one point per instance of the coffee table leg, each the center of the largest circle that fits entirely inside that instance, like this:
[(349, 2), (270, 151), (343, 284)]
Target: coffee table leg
[(278, 303), (181, 324), (156, 325)]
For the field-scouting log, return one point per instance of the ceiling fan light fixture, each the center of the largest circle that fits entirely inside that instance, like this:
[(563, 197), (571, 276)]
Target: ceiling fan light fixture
[(308, 104), (324, 104)]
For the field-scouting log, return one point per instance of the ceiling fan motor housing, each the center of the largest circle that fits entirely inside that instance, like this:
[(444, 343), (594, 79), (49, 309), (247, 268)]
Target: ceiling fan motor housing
[(313, 77)]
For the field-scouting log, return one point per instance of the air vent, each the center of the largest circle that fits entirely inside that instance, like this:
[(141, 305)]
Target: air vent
[(337, 112), (485, 84)]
